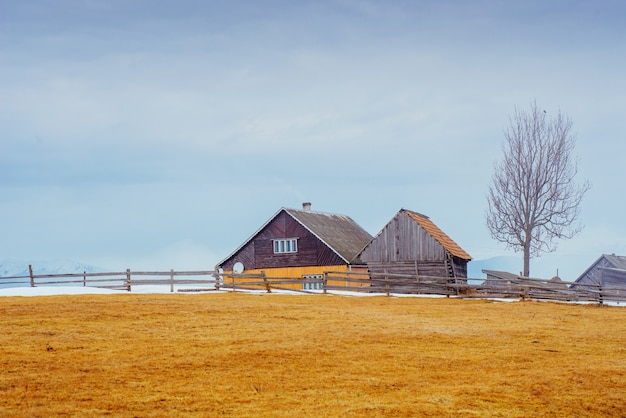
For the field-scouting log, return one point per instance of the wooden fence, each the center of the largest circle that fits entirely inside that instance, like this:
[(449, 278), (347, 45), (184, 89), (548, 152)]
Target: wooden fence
[(191, 281), (124, 280), (538, 289)]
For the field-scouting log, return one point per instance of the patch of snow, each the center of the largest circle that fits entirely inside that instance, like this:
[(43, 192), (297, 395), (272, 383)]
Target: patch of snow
[(56, 290), (82, 290), (165, 289)]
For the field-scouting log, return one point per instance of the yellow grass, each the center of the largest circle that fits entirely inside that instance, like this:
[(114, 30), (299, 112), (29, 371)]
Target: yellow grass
[(281, 355)]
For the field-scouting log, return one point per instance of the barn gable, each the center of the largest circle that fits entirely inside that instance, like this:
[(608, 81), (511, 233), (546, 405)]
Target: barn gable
[(319, 239), (412, 244)]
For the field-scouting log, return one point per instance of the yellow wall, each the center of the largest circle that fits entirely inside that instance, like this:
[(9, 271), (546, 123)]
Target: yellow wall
[(274, 274)]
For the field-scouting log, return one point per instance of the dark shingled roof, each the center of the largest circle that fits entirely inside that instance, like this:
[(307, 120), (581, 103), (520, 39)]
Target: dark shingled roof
[(338, 232)]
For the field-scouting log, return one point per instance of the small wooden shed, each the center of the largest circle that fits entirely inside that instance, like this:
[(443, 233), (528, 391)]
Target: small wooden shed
[(412, 244), (607, 270), (300, 243)]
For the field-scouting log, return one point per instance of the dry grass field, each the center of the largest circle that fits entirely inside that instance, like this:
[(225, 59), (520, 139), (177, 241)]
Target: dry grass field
[(234, 354)]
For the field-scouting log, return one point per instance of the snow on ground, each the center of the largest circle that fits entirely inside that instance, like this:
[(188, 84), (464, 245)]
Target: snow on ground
[(81, 290), (161, 289), (56, 290)]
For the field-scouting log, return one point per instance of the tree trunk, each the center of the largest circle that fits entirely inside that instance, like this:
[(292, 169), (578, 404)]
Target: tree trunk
[(526, 259)]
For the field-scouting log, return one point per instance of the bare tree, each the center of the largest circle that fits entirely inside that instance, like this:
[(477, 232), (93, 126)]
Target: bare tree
[(533, 198)]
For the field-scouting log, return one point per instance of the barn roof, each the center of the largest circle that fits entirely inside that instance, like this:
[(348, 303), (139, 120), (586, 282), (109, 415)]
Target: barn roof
[(446, 242), (505, 275), (338, 232), (618, 261)]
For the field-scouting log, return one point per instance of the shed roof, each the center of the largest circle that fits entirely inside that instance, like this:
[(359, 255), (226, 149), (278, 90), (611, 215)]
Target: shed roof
[(504, 275), (446, 242)]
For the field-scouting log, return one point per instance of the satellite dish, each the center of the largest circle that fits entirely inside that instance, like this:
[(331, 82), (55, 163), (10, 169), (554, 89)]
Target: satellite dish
[(238, 267)]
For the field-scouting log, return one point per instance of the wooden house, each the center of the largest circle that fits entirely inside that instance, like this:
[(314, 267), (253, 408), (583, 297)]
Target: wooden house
[(411, 244), (300, 243)]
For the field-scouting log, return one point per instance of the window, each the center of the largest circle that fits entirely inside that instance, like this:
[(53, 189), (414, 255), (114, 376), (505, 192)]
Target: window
[(313, 282), (289, 245)]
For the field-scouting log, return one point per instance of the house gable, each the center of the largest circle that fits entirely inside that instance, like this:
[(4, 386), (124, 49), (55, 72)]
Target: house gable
[(322, 240)]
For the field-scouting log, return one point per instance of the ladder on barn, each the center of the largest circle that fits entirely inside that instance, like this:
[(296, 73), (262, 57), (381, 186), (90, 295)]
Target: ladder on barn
[(451, 273), (450, 266)]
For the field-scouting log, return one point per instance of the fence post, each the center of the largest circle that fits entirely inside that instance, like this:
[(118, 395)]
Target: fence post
[(84, 278), (171, 280), (32, 278), (325, 282), (267, 285), (216, 275), (524, 289), (600, 298), (127, 279)]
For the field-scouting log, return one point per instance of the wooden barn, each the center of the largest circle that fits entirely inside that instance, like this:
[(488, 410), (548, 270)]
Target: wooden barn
[(411, 244), (608, 271), (300, 243)]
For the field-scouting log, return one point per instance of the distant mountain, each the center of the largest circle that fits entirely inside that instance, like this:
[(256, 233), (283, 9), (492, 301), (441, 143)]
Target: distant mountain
[(502, 263), (20, 268), (545, 267)]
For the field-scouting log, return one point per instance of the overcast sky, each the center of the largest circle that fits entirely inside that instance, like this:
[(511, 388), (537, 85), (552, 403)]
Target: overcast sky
[(159, 134)]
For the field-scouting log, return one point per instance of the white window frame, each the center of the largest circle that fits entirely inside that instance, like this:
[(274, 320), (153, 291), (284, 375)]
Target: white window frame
[(313, 286), (285, 246)]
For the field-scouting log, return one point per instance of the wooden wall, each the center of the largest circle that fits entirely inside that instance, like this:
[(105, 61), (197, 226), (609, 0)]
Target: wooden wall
[(414, 268), (460, 267)]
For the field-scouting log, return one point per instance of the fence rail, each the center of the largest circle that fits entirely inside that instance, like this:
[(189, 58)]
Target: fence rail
[(522, 288)]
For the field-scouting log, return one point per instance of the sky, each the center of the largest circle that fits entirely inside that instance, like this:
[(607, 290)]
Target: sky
[(150, 134)]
